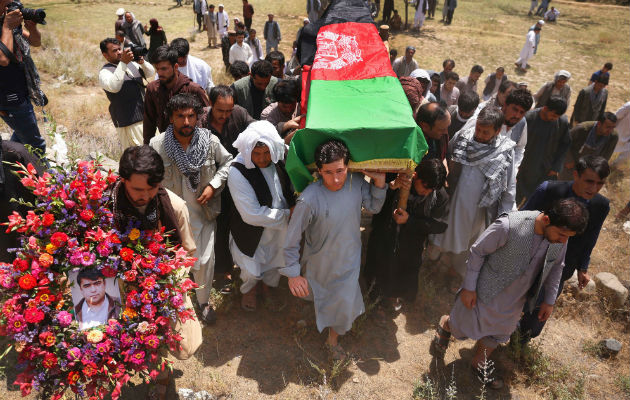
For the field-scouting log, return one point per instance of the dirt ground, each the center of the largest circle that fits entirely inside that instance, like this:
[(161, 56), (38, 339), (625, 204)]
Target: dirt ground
[(268, 354)]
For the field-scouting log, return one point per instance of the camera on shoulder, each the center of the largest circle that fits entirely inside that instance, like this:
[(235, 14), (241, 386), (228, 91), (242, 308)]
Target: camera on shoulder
[(29, 14)]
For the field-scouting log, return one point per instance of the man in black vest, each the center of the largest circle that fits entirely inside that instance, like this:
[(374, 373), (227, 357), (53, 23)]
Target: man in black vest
[(263, 199), (121, 79), (588, 178)]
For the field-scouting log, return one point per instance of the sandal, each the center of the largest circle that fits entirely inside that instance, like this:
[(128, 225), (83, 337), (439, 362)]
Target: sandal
[(248, 300), (440, 341), (208, 315), (337, 353)]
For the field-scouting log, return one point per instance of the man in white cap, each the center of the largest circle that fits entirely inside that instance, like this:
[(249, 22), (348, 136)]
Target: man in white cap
[(121, 18), (528, 49), (305, 22), (223, 21), (556, 88), (264, 199), (539, 24)]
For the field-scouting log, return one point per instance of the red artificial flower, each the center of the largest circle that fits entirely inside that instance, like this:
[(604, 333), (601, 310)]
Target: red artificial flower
[(73, 377), (165, 269), (148, 283), (33, 315), (126, 254), (130, 275), (47, 339), (48, 219), (21, 264), (15, 222), (89, 369), (95, 193), (58, 239), (46, 260), (27, 282), (109, 272), (45, 297), (154, 247), (87, 215)]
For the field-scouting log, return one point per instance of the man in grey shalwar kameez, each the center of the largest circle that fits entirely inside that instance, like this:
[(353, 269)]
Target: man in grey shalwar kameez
[(328, 212), (518, 257), (481, 184), (263, 196)]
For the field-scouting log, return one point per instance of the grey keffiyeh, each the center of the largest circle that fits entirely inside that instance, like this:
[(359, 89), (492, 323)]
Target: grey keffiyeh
[(493, 159), (189, 161)]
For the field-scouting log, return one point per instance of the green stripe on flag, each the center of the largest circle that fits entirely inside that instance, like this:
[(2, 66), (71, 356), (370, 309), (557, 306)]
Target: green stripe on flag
[(373, 118)]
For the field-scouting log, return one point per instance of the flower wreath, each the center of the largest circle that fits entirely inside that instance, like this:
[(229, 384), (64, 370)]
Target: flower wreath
[(71, 227)]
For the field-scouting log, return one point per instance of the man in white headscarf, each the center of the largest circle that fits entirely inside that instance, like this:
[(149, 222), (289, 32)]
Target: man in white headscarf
[(264, 197)]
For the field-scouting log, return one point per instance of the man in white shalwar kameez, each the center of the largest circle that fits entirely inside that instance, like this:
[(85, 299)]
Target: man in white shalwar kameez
[(482, 184), (196, 168), (527, 51), (328, 213), (263, 196)]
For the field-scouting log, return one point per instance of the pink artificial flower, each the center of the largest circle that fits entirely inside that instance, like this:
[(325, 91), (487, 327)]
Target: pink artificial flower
[(64, 318), (74, 354), (76, 257), (87, 258)]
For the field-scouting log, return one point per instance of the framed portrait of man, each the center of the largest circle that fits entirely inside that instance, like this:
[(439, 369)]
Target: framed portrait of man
[(96, 299)]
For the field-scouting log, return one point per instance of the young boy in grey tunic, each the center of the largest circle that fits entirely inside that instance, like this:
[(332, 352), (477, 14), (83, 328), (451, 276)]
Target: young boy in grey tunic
[(519, 256), (328, 212)]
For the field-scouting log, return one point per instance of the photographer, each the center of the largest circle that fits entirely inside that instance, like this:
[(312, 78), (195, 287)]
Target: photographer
[(20, 81), (121, 78)]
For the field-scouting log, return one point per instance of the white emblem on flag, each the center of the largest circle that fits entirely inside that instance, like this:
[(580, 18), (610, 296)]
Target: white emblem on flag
[(335, 51)]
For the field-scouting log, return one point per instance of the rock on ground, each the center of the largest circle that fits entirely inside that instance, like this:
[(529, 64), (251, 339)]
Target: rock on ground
[(611, 288)]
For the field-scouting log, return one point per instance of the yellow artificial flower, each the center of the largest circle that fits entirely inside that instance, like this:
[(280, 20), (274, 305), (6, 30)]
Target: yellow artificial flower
[(50, 248), (134, 234), (94, 336)]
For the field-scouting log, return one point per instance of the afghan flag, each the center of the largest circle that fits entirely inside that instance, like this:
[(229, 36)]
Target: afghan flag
[(352, 94)]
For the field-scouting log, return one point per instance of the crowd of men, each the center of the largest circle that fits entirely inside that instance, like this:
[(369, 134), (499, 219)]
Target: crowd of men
[(504, 183)]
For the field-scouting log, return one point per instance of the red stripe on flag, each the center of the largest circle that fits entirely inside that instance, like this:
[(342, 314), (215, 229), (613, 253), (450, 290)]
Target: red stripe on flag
[(350, 51)]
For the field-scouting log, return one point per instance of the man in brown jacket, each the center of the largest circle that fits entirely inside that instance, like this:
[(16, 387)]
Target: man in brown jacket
[(597, 138), (170, 83)]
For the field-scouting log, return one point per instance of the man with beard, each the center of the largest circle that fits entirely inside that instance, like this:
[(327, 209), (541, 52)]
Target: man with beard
[(138, 199), (226, 120), (255, 92), (122, 80), (481, 184), (263, 198), (548, 141), (170, 83), (517, 259), (196, 166)]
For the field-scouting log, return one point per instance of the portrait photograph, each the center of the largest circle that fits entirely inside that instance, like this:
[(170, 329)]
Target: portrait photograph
[(96, 298)]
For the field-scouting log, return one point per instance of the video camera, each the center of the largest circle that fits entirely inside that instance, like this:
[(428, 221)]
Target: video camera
[(138, 51), (29, 14)]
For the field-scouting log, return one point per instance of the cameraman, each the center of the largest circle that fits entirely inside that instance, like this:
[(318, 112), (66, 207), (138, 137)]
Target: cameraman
[(20, 81), (121, 78)]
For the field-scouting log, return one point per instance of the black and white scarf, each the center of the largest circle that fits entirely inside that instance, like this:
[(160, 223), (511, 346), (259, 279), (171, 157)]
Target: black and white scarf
[(190, 161), (493, 159)]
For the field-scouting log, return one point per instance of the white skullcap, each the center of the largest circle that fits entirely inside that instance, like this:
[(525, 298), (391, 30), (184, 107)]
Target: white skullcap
[(120, 11), (541, 22), (259, 131), (562, 73)]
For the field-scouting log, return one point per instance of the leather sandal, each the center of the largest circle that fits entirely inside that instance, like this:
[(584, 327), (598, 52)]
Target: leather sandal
[(440, 341)]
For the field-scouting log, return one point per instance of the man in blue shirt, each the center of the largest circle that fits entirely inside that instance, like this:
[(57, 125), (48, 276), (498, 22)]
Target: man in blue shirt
[(605, 71), (588, 178)]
